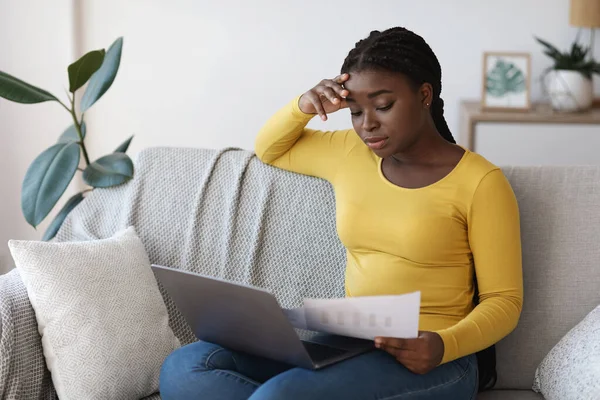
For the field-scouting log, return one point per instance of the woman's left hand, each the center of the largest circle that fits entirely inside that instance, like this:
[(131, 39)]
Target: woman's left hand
[(419, 355)]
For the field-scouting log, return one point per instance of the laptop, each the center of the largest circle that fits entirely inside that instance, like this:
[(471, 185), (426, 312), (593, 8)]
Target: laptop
[(249, 320)]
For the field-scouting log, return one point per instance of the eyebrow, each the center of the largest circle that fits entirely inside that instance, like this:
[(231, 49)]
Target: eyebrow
[(371, 95)]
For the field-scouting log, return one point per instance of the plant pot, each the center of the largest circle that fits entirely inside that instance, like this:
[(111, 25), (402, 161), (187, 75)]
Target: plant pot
[(569, 90)]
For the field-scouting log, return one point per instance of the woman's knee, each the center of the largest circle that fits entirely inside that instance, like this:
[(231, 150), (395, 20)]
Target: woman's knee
[(186, 361), (202, 369), (193, 357)]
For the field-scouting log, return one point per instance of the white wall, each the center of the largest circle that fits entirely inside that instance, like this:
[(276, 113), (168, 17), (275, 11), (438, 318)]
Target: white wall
[(209, 73), (36, 46)]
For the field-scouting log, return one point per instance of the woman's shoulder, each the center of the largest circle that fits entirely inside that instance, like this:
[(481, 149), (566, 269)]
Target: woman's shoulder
[(478, 168), (477, 165)]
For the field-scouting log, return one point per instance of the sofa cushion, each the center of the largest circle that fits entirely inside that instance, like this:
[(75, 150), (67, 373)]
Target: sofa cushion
[(103, 323), (572, 368), (560, 225)]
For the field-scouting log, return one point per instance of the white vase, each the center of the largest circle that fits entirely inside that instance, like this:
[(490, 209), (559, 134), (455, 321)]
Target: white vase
[(569, 90)]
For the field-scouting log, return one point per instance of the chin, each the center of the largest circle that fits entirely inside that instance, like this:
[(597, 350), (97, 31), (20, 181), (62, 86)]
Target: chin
[(389, 150), (383, 153)]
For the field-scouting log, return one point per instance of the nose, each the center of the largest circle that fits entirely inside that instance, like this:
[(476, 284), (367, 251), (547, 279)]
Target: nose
[(369, 122)]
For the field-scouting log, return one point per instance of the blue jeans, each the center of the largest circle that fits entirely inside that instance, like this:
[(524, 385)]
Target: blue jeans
[(204, 370)]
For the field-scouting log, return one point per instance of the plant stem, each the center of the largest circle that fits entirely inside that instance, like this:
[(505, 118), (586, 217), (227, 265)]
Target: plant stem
[(64, 106), (78, 129)]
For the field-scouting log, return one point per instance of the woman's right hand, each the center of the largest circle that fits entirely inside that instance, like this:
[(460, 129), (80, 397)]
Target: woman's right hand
[(327, 97)]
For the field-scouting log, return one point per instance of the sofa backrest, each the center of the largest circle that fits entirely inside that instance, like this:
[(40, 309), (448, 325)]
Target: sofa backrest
[(560, 228), (226, 214)]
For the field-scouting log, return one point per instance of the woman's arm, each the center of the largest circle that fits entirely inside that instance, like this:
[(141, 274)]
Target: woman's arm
[(285, 142), (495, 240)]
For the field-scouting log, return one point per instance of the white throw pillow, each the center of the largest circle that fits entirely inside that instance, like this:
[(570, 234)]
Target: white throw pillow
[(104, 325), (571, 370)]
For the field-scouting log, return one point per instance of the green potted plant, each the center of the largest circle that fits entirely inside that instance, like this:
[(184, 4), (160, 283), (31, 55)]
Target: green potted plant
[(51, 172), (569, 80)]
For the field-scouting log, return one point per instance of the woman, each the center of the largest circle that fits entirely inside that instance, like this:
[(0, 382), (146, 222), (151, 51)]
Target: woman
[(415, 212)]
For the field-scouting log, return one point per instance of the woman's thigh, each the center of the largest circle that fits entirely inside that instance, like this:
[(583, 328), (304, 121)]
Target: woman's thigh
[(373, 376), (206, 370)]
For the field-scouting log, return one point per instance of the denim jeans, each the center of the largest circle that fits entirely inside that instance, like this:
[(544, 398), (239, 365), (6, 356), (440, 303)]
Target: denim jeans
[(204, 370)]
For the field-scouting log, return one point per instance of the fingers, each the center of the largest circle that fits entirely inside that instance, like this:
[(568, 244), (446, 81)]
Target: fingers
[(315, 100), (393, 342), (399, 348), (419, 355), (401, 355), (333, 91), (412, 360), (330, 94), (337, 83), (339, 92), (340, 79)]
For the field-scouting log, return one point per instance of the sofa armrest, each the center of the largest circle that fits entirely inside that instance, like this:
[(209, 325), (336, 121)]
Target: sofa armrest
[(23, 372)]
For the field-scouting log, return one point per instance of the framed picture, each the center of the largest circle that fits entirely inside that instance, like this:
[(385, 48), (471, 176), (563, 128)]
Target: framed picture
[(506, 81)]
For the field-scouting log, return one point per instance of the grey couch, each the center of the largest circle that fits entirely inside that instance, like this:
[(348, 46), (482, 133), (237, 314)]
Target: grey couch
[(226, 214)]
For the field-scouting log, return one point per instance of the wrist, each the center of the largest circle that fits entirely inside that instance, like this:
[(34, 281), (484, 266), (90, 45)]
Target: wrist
[(299, 108), (440, 348)]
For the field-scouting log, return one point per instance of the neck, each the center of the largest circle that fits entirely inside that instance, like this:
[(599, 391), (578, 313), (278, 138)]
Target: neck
[(424, 150)]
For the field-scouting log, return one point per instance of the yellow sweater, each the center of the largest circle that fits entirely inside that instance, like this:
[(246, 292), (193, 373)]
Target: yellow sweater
[(432, 239)]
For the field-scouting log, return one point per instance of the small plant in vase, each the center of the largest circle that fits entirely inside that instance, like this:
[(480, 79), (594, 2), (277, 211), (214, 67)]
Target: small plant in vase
[(49, 175), (569, 81)]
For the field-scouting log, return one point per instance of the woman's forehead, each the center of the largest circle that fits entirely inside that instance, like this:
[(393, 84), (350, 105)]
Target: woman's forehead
[(373, 80)]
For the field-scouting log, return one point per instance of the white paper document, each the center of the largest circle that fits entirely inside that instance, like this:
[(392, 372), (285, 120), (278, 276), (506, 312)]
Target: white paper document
[(361, 317)]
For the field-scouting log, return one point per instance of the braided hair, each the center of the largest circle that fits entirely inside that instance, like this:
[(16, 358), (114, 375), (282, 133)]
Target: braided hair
[(400, 50)]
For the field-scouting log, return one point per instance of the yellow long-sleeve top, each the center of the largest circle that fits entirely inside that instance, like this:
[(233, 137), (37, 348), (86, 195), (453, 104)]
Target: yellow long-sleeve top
[(432, 239)]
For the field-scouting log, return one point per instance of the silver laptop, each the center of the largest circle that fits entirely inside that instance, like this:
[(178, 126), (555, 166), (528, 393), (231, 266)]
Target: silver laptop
[(249, 319)]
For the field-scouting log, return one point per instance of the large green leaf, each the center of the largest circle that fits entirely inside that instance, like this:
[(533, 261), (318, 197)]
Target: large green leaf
[(124, 146), (70, 134), (16, 90), (47, 179), (62, 214), (104, 77), (505, 77), (81, 70), (111, 170)]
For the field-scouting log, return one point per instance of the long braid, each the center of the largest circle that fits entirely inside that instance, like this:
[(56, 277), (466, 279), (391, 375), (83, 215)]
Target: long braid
[(437, 113), (400, 50)]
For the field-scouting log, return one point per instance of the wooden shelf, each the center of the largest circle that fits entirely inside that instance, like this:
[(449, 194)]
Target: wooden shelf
[(472, 113)]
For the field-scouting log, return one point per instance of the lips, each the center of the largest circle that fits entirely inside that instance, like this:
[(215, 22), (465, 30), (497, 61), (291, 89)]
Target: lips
[(376, 142)]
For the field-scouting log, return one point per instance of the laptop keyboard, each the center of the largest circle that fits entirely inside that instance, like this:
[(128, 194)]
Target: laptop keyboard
[(319, 352)]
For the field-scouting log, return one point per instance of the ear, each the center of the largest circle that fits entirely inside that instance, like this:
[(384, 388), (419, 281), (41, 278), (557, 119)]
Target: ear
[(426, 94)]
